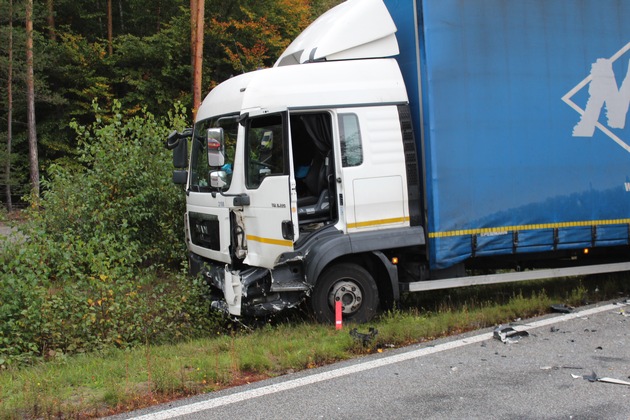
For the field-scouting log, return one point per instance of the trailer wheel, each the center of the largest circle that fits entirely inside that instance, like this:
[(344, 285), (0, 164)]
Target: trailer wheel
[(350, 284)]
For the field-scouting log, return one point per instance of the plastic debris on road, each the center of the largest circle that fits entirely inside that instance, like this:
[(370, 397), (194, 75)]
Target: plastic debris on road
[(594, 378), (509, 335), (562, 308)]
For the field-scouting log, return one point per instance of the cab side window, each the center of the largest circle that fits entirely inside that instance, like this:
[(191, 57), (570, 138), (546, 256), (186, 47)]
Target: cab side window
[(265, 152), (351, 148)]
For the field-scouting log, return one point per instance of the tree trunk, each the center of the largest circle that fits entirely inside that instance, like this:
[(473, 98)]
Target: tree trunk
[(193, 43), (51, 20), (193, 31), (7, 168), (30, 99), (110, 28), (122, 21), (198, 57)]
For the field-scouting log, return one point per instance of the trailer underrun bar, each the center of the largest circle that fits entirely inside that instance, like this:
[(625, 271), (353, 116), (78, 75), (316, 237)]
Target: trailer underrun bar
[(479, 280)]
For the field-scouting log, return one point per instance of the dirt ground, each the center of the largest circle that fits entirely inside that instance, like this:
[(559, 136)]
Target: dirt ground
[(4, 230)]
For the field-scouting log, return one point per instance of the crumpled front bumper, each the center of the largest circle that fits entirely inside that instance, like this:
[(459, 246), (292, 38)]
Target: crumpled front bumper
[(246, 292), (220, 278), (232, 291)]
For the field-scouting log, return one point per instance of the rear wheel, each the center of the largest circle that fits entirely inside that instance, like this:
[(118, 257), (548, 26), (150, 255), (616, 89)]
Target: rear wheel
[(350, 284)]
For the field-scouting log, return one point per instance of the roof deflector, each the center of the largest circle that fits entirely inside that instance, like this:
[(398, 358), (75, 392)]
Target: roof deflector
[(354, 29)]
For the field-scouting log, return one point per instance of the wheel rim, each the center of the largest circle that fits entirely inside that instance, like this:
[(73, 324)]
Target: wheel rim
[(348, 293)]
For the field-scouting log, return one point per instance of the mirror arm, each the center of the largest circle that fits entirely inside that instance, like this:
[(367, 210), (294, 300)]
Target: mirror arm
[(174, 138)]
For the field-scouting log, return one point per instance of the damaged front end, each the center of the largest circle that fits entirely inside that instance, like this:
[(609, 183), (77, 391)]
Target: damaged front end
[(252, 291)]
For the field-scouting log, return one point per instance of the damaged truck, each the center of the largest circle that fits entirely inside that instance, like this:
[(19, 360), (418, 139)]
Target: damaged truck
[(407, 145)]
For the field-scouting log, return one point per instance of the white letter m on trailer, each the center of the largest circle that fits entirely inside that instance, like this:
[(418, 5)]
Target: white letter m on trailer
[(602, 90)]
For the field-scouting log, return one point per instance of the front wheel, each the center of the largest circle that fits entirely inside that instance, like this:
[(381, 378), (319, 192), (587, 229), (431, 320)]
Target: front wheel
[(350, 284)]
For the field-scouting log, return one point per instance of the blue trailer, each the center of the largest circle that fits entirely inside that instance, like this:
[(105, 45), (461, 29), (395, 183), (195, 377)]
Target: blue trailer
[(403, 145), (515, 103)]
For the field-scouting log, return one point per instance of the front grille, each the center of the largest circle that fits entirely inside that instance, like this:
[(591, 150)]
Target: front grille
[(204, 230)]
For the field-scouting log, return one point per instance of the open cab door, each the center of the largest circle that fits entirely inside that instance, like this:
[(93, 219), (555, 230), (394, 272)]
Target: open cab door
[(270, 220)]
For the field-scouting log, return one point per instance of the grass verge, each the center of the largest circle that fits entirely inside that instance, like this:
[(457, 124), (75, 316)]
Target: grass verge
[(95, 385)]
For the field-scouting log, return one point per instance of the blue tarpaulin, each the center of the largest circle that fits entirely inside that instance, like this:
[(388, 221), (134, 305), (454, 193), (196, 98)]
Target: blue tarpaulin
[(521, 118)]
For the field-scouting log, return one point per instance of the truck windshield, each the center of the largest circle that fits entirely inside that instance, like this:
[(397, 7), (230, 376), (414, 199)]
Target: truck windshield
[(200, 168)]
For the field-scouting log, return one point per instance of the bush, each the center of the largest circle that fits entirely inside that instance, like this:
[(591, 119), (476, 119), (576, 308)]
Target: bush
[(53, 303), (124, 187), (89, 272)]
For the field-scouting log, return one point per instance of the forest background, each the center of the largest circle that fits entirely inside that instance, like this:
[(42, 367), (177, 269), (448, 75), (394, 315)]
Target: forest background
[(98, 259), (138, 52)]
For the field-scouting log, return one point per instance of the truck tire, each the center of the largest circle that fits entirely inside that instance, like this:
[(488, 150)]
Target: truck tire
[(353, 286)]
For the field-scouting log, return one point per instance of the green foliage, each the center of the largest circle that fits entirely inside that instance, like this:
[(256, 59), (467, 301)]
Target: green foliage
[(252, 36), (152, 71), (150, 67), (46, 312), (74, 283), (123, 189), (88, 269)]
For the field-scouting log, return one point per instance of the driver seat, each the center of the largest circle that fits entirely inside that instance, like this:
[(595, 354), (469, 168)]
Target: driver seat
[(314, 206)]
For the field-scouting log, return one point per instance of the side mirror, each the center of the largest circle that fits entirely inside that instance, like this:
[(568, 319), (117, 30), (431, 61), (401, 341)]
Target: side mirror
[(216, 146), (266, 143), (180, 177), (180, 154), (218, 179)]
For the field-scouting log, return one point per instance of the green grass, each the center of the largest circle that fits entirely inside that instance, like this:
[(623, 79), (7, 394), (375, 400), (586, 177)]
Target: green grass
[(95, 385)]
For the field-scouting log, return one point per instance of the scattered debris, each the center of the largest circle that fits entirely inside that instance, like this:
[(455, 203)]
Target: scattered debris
[(554, 329), (507, 334), (623, 312), (363, 337), (562, 308), (613, 381), (380, 347), (594, 378), (560, 367)]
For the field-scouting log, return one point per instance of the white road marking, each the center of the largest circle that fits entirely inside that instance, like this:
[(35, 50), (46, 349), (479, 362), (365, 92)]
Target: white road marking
[(359, 367)]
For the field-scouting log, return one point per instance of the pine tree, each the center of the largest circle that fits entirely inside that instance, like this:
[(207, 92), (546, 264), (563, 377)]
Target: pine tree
[(30, 94)]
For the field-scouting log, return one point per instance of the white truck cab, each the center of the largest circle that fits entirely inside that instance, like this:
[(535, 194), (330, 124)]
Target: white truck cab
[(299, 173), (306, 180)]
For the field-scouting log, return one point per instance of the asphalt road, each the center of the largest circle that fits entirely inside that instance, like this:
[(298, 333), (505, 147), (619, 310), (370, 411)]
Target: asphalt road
[(540, 376)]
